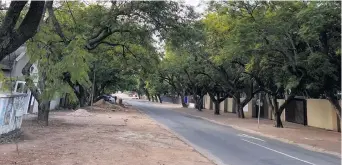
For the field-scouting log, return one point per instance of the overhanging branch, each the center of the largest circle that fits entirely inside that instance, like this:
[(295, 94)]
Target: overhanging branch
[(55, 22), (103, 34), (12, 16), (10, 39)]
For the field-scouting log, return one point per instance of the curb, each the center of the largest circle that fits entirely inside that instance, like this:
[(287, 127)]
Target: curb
[(198, 149), (305, 146)]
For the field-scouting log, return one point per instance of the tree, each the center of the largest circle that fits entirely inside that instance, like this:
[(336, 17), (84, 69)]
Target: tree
[(170, 68), (69, 38), (13, 36), (183, 48), (224, 56), (323, 38), (272, 46)]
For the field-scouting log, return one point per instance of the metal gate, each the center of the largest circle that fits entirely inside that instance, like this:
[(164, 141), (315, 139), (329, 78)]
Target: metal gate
[(296, 112)]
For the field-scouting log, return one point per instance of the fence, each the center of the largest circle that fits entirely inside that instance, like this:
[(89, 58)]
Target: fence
[(312, 112), (12, 108)]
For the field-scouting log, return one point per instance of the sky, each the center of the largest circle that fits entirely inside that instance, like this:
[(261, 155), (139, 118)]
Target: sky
[(198, 5)]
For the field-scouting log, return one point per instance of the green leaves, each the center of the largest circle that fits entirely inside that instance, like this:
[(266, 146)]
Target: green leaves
[(276, 44)]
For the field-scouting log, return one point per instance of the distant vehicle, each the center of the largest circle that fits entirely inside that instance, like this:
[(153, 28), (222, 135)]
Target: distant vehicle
[(135, 96), (108, 98)]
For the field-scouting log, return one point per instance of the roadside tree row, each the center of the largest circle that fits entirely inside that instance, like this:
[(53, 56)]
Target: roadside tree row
[(239, 49)]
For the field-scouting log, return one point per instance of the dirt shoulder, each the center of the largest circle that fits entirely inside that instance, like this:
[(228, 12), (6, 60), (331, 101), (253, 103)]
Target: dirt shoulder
[(307, 137), (100, 137)]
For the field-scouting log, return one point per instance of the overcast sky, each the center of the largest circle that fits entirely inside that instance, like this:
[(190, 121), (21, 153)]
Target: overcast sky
[(198, 4)]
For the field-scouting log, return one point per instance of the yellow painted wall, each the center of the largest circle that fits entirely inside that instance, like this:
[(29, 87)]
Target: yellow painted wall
[(250, 109), (321, 114), (222, 106), (230, 105), (207, 101)]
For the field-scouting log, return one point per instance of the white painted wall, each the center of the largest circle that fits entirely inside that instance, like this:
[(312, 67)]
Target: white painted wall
[(14, 106), (245, 108), (54, 103)]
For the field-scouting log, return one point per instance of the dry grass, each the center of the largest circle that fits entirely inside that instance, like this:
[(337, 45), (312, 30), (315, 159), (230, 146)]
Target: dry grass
[(104, 138)]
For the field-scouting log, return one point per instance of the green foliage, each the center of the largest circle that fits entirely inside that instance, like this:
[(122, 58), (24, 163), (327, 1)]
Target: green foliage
[(236, 47), (55, 58), (124, 54), (277, 43)]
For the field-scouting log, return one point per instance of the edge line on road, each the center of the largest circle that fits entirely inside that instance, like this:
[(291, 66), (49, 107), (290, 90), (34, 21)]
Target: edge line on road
[(304, 146), (199, 150), (278, 152), (251, 137)]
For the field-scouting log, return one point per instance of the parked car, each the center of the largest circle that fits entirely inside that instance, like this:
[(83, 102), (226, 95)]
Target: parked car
[(108, 98)]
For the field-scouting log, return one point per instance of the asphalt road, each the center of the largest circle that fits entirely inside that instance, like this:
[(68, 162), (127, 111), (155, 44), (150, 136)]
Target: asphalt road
[(229, 146)]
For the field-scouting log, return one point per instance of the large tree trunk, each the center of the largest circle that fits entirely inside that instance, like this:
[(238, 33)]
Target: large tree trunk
[(240, 106), (278, 122), (81, 96), (194, 96), (43, 105), (241, 114), (279, 111), (156, 97), (337, 107), (147, 94), (277, 114), (217, 104), (43, 112), (335, 103), (160, 100), (184, 105), (225, 109), (199, 103), (237, 110), (12, 37), (270, 105), (217, 100), (217, 108)]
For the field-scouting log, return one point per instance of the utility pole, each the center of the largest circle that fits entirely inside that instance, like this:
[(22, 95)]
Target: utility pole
[(259, 109), (93, 89)]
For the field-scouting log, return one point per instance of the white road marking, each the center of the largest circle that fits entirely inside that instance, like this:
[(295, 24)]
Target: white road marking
[(279, 152), (247, 136)]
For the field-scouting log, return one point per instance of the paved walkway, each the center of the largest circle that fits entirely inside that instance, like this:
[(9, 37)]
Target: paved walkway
[(308, 137)]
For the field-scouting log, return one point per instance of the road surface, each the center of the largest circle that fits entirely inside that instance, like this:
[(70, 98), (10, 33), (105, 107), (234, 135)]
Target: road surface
[(229, 146)]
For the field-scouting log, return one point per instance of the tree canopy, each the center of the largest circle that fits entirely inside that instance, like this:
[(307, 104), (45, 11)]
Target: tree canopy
[(237, 49)]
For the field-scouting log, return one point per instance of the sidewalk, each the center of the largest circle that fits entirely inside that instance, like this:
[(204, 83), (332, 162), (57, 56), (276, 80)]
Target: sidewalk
[(307, 137)]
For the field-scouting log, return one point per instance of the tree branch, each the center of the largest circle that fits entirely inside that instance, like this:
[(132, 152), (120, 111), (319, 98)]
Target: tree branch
[(110, 44), (11, 40), (29, 82), (103, 34), (12, 16), (72, 15), (55, 22)]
